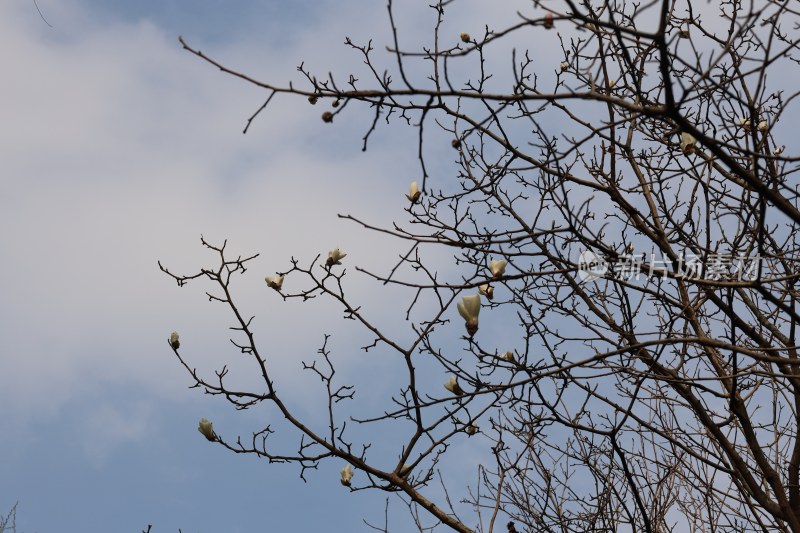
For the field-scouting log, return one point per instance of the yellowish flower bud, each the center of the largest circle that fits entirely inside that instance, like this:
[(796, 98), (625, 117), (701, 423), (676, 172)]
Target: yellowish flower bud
[(347, 475), (688, 143), (174, 340), (498, 267), (486, 290), (471, 429), (274, 282), (469, 308), (207, 429), (453, 386), (327, 116), (465, 37), (564, 66), (335, 257), (763, 126), (413, 193)]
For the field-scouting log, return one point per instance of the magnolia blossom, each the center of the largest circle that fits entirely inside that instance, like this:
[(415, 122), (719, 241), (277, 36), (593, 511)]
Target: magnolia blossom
[(745, 123), (497, 267), (486, 290), (471, 429), (564, 66), (453, 386), (174, 340), (347, 475), (508, 356), (687, 143), (465, 37), (413, 193), (763, 126), (469, 308), (335, 257), (274, 282), (207, 429), (779, 150)]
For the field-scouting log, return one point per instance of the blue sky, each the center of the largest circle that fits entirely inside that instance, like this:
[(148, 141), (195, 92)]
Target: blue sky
[(119, 149)]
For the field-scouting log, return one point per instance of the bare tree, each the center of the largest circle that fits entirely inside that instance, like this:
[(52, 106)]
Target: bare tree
[(628, 214)]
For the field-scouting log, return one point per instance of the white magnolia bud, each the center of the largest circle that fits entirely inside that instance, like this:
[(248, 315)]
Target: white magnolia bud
[(498, 267), (274, 282), (413, 193), (779, 150), (335, 257), (508, 356), (687, 143), (564, 66), (486, 290), (469, 308), (471, 429), (453, 386), (347, 475), (763, 126), (465, 37), (745, 123), (207, 429), (174, 340)]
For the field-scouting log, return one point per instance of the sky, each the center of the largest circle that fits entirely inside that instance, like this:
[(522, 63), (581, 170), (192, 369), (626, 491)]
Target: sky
[(118, 150)]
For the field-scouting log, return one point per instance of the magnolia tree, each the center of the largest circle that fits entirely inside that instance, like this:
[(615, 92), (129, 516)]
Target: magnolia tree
[(625, 204)]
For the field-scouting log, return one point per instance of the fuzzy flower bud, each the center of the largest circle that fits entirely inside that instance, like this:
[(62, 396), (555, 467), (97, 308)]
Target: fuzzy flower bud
[(548, 21), (486, 290), (745, 123), (174, 340), (312, 99), (779, 150), (508, 356), (274, 282), (687, 143), (465, 37), (327, 116), (347, 475), (469, 308), (563, 66), (455, 143), (453, 386), (413, 193), (471, 429), (498, 267), (763, 126), (335, 257), (207, 429)]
